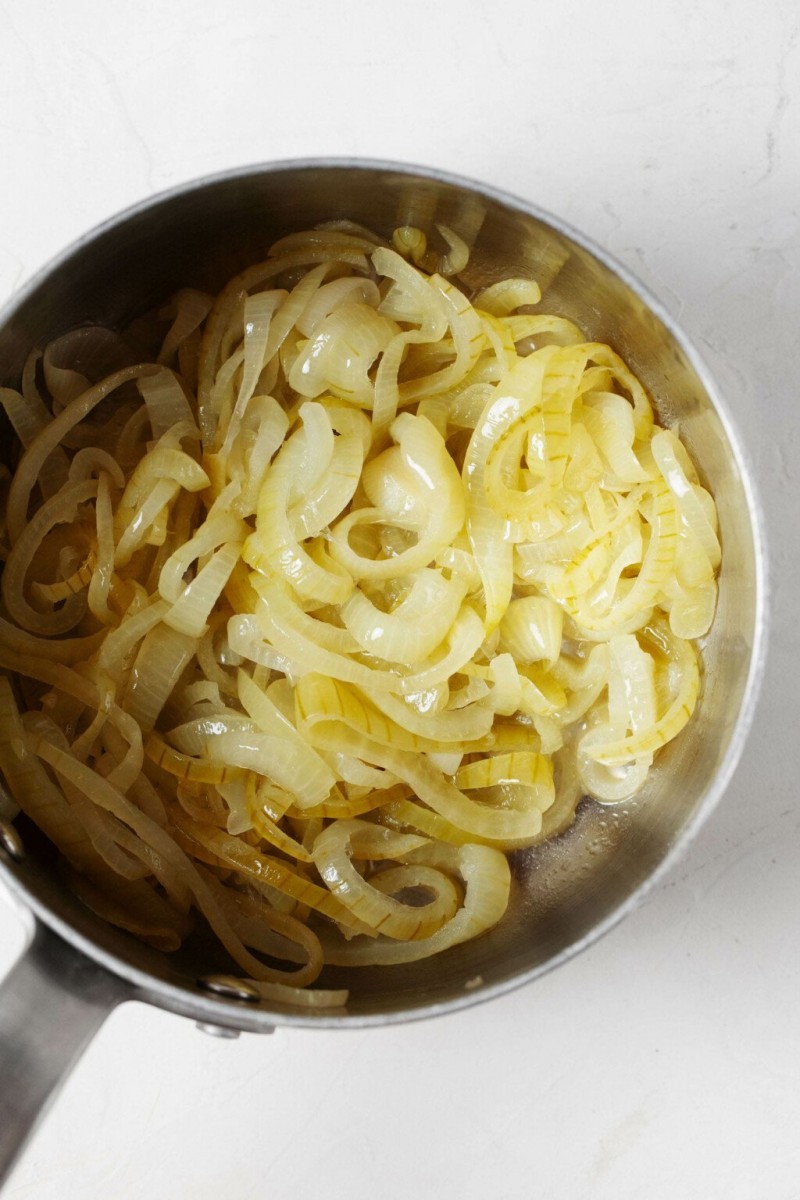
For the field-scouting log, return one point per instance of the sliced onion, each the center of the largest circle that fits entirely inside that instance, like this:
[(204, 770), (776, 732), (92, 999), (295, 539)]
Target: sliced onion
[(487, 881), (368, 585), (415, 627)]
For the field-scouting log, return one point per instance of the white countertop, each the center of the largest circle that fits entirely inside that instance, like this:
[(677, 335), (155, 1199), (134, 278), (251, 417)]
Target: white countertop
[(665, 1062)]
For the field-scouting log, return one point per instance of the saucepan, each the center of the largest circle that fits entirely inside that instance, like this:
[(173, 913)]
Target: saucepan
[(567, 892)]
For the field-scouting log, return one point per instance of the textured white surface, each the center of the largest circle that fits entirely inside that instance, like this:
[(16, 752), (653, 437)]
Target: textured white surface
[(664, 1063)]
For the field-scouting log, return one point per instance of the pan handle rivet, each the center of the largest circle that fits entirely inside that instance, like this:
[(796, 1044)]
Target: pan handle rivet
[(220, 1031), (228, 987), (10, 841)]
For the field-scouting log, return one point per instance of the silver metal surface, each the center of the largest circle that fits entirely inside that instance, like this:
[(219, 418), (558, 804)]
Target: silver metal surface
[(53, 1002), (230, 988), (566, 893), (217, 1031), (11, 843)]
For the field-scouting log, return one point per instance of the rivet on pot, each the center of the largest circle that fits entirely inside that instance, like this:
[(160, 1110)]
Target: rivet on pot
[(10, 841), (219, 1031), (230, 988)]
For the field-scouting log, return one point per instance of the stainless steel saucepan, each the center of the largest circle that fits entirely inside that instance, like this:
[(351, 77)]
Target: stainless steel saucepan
[(76, 968)]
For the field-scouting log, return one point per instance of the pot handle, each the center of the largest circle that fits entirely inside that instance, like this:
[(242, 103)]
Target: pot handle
[(52, 1002)]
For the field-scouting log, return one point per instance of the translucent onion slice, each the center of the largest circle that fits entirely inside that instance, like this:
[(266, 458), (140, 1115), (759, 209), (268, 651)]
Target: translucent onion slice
[(193, 737), (504, 297), (641, 593), (317, 778), (663, 446), (213, 533), (276, 597), (166, 402), (457, 255), (465, 327), (487, 881), (520, 768), (604, 356), (186, 768), (188, 308), (279, 759), (292, 650), (349, 289), (158, 666), (77, 358), (489, 533), (133, 906), (631, 686), (270, 831), (190, 612), (259, 311), (495, 825), (462, 725), (28, 417), (411, 299), (424, 456), (691, 612), (303, 997), (531, 629), (263, 869), (464, 639), (271, 932), (264, 427), (338, 844), (384, 719), (413, 629), (119, 643), (322, 504), (407, 814), (544, 328), (68, 651), (340, 355), (609, 784), (320, 699), (619, 751), (37, 453), (61, 508), (273, 547), (609, 420), (155, 482), (112, 800), (53, 593)]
